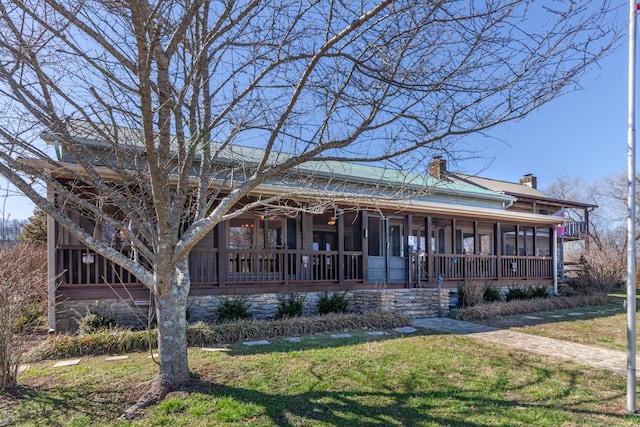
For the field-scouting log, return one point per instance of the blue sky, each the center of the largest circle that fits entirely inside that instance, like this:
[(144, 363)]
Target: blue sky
[(581, 134)]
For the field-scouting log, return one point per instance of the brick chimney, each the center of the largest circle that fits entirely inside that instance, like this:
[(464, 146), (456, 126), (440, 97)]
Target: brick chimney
[(437, 167), (529, 180)]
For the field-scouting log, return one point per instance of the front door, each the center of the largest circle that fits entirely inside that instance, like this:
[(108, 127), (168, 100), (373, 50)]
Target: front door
[(387, 259), (396, 250)]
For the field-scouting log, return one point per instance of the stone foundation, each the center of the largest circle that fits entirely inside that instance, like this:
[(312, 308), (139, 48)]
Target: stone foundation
[(404, 302)]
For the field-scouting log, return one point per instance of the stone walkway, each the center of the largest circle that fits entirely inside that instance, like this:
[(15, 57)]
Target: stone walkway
[(600, 358)]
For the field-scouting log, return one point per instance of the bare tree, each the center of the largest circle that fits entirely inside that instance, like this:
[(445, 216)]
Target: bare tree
[(604, 265), (167, 90), (23, 284)]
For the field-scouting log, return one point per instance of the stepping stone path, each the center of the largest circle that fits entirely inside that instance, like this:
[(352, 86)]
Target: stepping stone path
[(63, 363), (533, 317), (341, 336), (576, 314), (406, 329), (557, 316), (117, 358), (254, 343), (293, 339), (215, 348), (377, 333)]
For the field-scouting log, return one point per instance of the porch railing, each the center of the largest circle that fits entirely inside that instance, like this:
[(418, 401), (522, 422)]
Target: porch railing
[(482, 267), (285, 265), (576, 230), (77, 266)]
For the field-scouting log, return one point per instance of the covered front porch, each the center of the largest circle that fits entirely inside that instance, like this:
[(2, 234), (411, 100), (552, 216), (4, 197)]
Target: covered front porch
[(341, 249)]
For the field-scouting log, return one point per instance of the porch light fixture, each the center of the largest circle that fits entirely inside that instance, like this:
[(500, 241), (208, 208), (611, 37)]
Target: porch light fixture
[(87, 258), (332, 221)]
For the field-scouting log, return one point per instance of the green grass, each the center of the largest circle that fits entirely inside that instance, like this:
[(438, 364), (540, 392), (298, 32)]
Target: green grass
[(414, 380)]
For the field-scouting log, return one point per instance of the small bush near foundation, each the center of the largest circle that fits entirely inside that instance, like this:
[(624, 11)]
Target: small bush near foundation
[(334, 303), (470, 293), (232, 309), (92, 322), (291, 306), (500, 309), (491, 294), (539, 292), (115, 341), (517, 294)]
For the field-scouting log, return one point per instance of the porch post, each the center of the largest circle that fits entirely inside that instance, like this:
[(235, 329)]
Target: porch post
[(454, 249), (223, 255), (303, 226), (555, 260), (341, 248), (51, 265), (586, 230), (427, 235), (498, 251), (409, 251), (476, 240), (365, 247)]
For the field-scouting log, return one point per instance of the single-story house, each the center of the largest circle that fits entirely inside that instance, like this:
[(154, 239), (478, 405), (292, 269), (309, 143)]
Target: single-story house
[(391, 239)]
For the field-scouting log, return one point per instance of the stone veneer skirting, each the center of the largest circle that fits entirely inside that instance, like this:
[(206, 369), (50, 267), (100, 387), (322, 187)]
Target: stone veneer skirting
[(405, 302)]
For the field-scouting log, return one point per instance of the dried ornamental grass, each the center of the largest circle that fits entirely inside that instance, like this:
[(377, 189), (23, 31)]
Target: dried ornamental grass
[(118, 340), (511, 308)]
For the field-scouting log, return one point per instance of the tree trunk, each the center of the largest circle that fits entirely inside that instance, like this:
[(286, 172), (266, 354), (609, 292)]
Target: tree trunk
[(171, 313), (171, 308)]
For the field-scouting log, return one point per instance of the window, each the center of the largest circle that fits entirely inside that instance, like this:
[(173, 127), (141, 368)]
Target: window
[(509, 239), (241, 233), (374, 240), (525, 241), (465, 237), (396, 237), (486, 238), (270, 232)]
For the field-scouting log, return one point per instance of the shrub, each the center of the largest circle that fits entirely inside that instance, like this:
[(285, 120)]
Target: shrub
[(470, 293), (334, 303), (290, 307), (539, 292), (234, 309), (92, 322), (602, 270), (33, 316), (491, 294), (23, 284), (517, 293)]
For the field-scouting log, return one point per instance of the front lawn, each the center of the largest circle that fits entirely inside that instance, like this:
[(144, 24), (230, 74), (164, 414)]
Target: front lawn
[(403, 380)]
